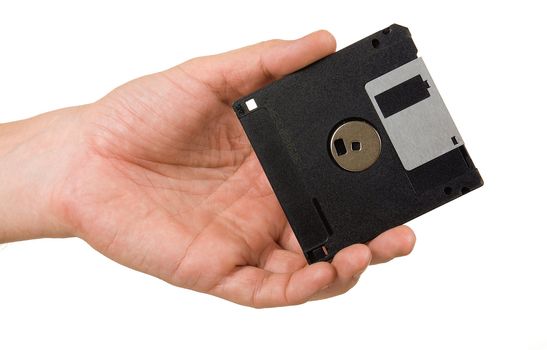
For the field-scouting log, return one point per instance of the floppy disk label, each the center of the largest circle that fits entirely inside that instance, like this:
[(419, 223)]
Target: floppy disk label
[(413, 114)]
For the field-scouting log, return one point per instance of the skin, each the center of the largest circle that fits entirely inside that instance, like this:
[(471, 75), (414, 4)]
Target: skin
[(159, 176)]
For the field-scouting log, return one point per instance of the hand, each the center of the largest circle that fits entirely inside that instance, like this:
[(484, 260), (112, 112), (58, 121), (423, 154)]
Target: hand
[(159, 176)]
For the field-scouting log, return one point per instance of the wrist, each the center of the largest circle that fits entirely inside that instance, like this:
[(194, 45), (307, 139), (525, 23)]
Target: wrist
[(34, 154)]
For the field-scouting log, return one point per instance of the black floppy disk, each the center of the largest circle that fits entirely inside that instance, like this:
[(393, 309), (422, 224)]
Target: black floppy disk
[(357, 143)]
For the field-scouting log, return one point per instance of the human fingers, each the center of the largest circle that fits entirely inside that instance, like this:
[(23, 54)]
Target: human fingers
[(349, 264), (396, 242), (239, 72), (256, 287)]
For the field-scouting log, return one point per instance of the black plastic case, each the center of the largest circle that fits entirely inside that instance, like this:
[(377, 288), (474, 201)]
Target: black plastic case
[(328, 207)]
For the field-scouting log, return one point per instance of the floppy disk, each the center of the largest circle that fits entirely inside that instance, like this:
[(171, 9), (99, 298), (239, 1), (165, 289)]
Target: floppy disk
[(357, 143)]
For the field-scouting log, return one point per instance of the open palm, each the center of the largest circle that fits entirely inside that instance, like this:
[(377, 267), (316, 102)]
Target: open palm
[(166, 182)]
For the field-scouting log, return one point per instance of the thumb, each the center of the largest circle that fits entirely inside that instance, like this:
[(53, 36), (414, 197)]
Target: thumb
[(239, 72)]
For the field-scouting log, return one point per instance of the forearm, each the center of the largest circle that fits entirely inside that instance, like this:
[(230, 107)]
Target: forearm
[(32, 156)]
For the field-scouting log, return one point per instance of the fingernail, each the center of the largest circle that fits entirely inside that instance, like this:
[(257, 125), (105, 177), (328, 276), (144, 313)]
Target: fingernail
[(326, 287)]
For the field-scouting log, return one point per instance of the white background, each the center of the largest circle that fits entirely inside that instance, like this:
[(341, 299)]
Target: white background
[(477, 278)]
